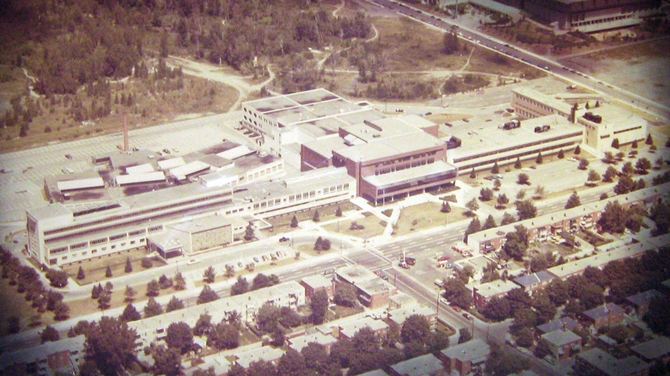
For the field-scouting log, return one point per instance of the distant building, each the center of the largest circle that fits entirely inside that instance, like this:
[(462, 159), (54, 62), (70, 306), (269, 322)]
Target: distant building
[(604, 315), (657, 349), (598, 362), (263, 353), (482, 293), (424, 365), (530, 282), (588, 16), (348, 328), (640, 301), (398, 316), (566, 323), (300, 342), (562, 343), (466, 358), (48, 359), (317, 282), (372, 290)]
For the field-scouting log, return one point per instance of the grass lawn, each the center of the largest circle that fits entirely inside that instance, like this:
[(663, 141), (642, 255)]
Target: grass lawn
[(94, 269), (426, 215), (372, 226), (282, 223), (341, 311), (15, 304)]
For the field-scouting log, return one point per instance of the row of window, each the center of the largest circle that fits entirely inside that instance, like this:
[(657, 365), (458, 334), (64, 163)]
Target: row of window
[(518, 155)]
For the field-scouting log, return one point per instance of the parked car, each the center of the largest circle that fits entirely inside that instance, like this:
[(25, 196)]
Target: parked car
[(283, 239)]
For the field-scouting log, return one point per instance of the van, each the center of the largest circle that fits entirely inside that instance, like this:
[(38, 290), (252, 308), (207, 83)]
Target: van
[(438, 282)]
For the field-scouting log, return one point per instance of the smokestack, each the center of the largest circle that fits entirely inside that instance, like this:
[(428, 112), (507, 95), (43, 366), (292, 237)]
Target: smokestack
[(125, 133)]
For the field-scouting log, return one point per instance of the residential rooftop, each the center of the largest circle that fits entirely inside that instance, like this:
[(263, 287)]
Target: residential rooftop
[(495, 288), (475, 351), (531, 280), (611, 366), (644, 297), (42, 352), (604, 310), (298, 343), (349, 328), (653, 349), (266, 353), (561, 337), (424, 365), (564, 322)]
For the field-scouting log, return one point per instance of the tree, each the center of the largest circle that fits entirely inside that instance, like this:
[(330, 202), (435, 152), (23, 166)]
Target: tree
[(207, 295), (507, 219), (57, 278), (292, 363), (660, 214), (517, 164), (338, 212), (643, 166), (108, 272), (130, 313), (613, 218), (249, 232), (104, 299), (561, 154), (164, 46), (658, 316), (523, 179), (516, 243), (49, 334), (525, 210), (474, 226), (446, 208), (261, 368), (224, 336), (610, 174), (179, 337), (153, 288), (278, 336), (152, 308), (345, 295), (525, 338), (489, 223), (627, 168), (456, 293), (240, 287), (615, 143), (167, 361), (316, 359), (203, 326), (502, 200), (472, 206), (129, 266), (268, 317), (545, 308), (319, 306), (129, 294), (13, 324), (573, 200), (146, 262), (625, 185), (316, 217), (209, 275), (174, 304), (110, 344), (496, 184), (415, 328), (472, 174), (294, 222), (539, 159), (230, 271), (539, 192), (450, 43), (497, 309), (486, 194), (649, 140), (495, 169), (592, 178), (179, 282), (80, 274), (237, 370), (523, 318), (583, 164)]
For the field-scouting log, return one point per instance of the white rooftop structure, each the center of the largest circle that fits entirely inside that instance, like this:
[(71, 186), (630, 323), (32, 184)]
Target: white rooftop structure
[(495, 288), (424, 365), (317, 281), (140, 177), (398, 316), (167, 164), (87, 183), (266, 353), (39, 353), (236, 152), (182, 172), (598, 260), (349, 328), (139, 169), (561, 337), (475, 351), (298, 343)]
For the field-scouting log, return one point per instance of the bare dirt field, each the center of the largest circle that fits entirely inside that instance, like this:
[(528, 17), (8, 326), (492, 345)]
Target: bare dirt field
[(643, 68)]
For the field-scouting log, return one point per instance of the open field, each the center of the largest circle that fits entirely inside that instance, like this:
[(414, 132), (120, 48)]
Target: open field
[(154, 102), (426, 215), (282, 223), (646, 67), (15, 304), (372, 226)]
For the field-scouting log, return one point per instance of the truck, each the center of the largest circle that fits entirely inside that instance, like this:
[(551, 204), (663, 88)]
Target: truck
[(541, 129), (511, 125)]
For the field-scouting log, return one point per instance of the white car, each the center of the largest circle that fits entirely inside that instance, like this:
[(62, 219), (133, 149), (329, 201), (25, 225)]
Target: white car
[(193, 261)]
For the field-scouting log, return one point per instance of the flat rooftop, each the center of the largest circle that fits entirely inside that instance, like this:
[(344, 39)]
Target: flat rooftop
[(495, 288), (480, 136), (410, 174), (611, 366), (475, 351), (427, 364), (561, 337), (385, 147)]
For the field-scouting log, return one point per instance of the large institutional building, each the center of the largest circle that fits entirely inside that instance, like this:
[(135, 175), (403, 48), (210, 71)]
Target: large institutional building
[(323, 129), (588, 15)]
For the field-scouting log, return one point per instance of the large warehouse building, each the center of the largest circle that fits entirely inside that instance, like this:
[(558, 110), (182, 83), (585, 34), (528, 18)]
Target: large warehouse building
[(328, 130), (61, 234)]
